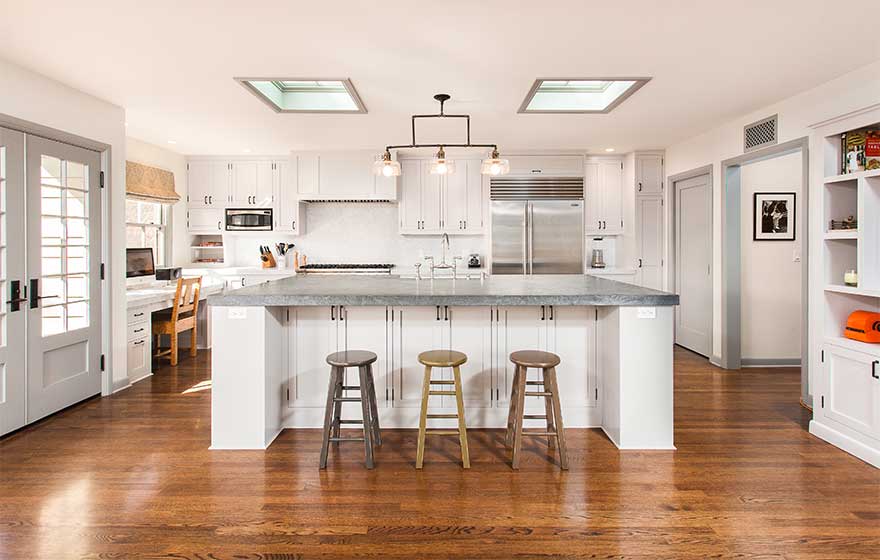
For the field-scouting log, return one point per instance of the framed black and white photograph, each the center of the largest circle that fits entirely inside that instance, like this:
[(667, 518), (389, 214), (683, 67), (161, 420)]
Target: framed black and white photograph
[(774, 216)]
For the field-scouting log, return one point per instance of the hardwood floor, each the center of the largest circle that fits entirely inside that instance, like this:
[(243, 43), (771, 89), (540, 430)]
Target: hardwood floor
[(131, 476)]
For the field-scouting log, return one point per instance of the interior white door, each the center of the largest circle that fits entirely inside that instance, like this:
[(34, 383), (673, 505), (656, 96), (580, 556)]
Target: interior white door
[(13, 305), (693, 264), (64, 271), (649, 241)]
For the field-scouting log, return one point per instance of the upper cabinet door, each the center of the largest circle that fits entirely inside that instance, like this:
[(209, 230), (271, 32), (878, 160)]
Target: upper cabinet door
[(649, 174), (410, 207), (264, 194), (592, 198), (207, 183), (456, 198), (611, 179), (431, 200), (307, 174), (252, 183), (346, 175), (288, 210)]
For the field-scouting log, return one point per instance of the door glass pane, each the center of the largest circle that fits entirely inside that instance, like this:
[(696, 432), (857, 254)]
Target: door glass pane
[(65, 252), (3, 287)]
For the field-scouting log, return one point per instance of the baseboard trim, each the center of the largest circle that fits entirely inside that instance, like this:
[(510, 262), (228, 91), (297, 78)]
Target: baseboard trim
[(141, 378), (846, 443), (120, 385), (770, 362), (716, 361)]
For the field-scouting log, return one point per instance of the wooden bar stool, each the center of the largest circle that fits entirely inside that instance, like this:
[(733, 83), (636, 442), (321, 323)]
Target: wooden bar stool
[(333, 421), (546, 362), (182, 317), (443, 359)]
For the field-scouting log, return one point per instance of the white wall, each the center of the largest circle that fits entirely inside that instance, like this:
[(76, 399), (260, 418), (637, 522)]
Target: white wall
[(155, 156), (352, 232), (771, 270), (847, 93), (37, 99)]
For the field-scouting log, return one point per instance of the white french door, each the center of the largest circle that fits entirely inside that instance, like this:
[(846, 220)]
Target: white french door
[(63, 253), (13, 304)]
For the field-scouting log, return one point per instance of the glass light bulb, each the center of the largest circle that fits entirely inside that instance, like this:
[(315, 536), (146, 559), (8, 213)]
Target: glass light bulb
[(387, 170), (441, 168), (494, 169)]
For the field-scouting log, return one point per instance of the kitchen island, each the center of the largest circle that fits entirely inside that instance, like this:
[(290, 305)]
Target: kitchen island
[(270, 342)]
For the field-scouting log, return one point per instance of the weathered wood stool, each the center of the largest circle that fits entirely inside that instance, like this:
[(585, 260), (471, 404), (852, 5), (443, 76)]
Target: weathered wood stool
[(363, 360), (546, 362), (443, 359)]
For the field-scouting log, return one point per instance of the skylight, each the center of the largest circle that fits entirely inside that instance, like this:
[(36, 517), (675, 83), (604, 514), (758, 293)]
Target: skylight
[(291, 95), (580, 95)]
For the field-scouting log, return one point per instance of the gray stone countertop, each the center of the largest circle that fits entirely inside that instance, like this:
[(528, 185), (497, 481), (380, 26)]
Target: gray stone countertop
[(357, 290)]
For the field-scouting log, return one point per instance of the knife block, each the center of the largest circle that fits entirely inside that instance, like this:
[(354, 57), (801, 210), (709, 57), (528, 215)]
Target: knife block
[(268, 260)]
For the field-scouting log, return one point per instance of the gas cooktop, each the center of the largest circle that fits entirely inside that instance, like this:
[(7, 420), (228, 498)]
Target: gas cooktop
[(343, 268)]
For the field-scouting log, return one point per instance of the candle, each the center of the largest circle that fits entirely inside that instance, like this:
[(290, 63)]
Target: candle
[(851, 278)]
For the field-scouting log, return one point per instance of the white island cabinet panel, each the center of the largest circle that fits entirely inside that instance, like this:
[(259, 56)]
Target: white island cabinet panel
[(415, 330), (470, 331), (312, 336), (573, 338), (851, 392), (519, 328), (366, 328)]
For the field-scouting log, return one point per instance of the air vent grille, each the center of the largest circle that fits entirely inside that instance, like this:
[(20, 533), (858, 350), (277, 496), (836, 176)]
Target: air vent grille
[(760, 134), (536, 188), (346, 200)]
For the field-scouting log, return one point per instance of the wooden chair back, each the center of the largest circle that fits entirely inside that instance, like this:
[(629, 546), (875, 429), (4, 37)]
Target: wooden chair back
[(186, 298)]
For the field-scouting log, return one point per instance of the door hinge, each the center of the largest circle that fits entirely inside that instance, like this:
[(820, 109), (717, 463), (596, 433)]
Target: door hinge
[(187, 167), (102, 271), (102, 179), (823, 401), (102, 362), (392, 394)]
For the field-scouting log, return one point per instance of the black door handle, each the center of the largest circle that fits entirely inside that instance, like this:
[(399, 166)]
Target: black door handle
[(543, 310), (438, 312), (551, 312), (874, 373), (15, 297)]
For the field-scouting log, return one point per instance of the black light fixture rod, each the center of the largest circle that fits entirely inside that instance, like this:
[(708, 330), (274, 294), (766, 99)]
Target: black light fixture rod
[(444, 145)]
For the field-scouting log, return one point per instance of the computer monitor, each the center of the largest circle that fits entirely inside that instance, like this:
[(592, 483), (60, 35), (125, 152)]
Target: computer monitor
[(139, 262)]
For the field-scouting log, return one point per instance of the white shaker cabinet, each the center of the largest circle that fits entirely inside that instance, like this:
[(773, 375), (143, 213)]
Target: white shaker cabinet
[(204, 220), (518, 328), (470, 331), (289, 215), (252, 183), (649, 174), (849, 393), (414, 330), (649, 242), (207, 183), (346, 175), (434, 204), (603, 196), (311, 337)]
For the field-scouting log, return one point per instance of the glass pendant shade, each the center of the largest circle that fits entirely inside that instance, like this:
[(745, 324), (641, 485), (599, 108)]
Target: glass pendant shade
[(442, 166), (495, 166), (386, 167)]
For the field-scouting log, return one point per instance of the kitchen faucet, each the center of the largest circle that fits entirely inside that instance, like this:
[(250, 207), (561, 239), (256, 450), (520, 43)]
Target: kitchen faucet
[(444, 247)]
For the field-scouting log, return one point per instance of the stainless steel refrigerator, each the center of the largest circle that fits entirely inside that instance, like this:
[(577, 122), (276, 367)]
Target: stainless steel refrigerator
[(537, 236)]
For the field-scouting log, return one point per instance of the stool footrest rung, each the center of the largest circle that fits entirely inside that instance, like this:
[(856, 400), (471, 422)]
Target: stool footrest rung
[(442, 416), (442, 382), (450, 393), (347, 399), (338, 439), (525, 433), (539, 394), (351, 387), (535, 416), (534, 383), (441, 432), (341, 421)]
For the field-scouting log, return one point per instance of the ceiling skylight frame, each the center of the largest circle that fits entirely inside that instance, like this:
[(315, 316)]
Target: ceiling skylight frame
[(638, 83), (278, 82)]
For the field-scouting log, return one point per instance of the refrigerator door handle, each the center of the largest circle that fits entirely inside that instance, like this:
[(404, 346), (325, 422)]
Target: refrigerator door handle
[(525, 234), (530, 212)]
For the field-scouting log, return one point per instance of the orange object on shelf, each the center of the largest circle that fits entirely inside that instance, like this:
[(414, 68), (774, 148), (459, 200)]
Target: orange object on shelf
[(863, 326)]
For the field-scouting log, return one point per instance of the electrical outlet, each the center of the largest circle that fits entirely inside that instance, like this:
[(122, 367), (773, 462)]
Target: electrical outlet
[(237, 313)]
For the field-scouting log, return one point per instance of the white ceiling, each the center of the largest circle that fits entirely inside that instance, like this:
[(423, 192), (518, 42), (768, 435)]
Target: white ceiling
[(170, 63)]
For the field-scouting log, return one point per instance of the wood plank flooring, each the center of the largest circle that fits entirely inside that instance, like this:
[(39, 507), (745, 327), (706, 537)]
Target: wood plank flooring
[(131, 476)]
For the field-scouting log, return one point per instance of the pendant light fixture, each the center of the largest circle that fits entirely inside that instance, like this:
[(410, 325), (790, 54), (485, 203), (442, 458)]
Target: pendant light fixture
[(386, 167), (441, 165)]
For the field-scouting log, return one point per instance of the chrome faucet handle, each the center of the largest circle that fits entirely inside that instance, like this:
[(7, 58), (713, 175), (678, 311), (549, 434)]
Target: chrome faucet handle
[(418, 271), (455, 265)]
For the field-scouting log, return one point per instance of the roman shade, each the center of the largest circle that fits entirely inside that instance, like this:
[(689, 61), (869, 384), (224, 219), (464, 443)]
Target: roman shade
[(149, 183)]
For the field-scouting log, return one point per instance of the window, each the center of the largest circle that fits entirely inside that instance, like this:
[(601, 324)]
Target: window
[(582, 95), (146, 227), (290, 95)]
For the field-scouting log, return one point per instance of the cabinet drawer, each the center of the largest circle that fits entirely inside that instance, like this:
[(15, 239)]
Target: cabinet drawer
[(138, 316), (139, 330)]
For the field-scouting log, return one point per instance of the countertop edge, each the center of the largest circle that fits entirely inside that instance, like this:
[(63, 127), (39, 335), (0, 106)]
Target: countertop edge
[(293, 300)]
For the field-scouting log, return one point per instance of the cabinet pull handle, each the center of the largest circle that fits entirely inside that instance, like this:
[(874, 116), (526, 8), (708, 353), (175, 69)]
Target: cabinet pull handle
[(640, 263), (293, 224), (551, 312), (874, 369), (542, 313), (465, 224), (438, 312), (332, 312), (206, 200), (341, 313), (139, 330), (210, 199), (219, 225), (141, 314), (139, 342), (445, 312), (640, 187)]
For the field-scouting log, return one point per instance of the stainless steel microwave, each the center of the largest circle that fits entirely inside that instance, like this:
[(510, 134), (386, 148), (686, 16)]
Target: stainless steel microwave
[(248, 219)]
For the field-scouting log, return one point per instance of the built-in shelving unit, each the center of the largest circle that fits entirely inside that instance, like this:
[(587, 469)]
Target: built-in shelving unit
[(207, 250), (843, 373)]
